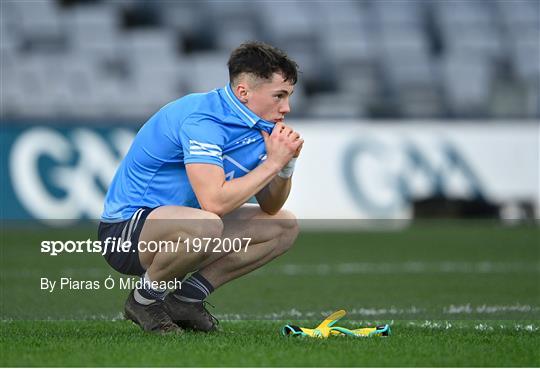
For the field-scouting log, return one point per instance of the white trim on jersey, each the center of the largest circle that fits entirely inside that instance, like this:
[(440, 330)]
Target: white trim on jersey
[(204, 145), (205, 149), (206, 153)]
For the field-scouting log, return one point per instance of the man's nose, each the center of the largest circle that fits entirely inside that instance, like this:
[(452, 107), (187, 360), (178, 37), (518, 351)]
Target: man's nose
[(285, 107)]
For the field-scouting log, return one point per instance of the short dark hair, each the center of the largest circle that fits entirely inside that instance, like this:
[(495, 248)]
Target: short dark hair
[(261, 60)]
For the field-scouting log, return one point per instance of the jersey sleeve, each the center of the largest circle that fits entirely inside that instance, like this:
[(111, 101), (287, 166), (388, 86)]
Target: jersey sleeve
[(202, 142)]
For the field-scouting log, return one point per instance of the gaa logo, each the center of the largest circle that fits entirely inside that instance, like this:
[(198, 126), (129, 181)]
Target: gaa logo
[(384, 176), (64, 176)]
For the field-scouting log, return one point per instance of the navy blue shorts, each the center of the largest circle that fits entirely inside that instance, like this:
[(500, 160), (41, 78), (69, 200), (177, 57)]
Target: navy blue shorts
[(129, 230)]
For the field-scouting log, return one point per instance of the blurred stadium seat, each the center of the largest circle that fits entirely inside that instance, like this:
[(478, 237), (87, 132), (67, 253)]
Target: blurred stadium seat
[(390, 58)]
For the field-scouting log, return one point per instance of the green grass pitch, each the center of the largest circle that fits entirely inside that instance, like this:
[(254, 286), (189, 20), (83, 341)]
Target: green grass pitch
[(456, 294)]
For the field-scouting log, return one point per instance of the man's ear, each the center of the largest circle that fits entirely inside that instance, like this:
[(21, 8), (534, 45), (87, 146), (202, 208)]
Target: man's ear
[(242, 92)]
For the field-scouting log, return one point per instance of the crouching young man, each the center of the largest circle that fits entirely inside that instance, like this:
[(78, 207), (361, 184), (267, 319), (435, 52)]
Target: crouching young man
[(188, 176)]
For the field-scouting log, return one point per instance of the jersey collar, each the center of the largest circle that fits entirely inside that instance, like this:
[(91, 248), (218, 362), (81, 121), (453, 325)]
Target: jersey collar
[(249, 117)]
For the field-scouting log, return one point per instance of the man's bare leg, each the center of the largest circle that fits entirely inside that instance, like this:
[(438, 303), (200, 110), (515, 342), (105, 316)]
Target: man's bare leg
[(167, 224), (171, 223), (271, 236)]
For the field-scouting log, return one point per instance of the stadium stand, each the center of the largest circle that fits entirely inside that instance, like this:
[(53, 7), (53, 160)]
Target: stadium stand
[(376, 59)]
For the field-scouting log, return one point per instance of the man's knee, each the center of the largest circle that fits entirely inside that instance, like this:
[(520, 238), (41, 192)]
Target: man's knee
[(287, 220), (289, 229)]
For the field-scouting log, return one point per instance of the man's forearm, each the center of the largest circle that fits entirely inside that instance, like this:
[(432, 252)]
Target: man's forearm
[(274, 195), (236, 192)]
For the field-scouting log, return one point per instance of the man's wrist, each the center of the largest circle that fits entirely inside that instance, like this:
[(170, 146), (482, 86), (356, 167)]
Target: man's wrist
[(287, 171)]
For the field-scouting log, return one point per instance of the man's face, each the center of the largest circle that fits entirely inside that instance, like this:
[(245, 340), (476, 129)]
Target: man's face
[(269, 99)]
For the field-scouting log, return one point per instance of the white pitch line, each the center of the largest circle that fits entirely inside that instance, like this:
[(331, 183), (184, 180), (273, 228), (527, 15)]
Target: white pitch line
[(489, 309), (20, 273), (323, 269), (409, 267), (451, 310), (430, 324), (425, 324), (292, 315)]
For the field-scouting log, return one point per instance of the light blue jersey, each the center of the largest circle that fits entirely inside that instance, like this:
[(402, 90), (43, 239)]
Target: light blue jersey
[(213, 128)]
